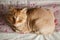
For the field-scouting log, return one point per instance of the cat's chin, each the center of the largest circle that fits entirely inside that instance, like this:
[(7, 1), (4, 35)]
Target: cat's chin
[(18, 24)]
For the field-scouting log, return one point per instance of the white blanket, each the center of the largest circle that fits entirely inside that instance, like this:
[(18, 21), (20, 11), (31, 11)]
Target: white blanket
[(16, 36)]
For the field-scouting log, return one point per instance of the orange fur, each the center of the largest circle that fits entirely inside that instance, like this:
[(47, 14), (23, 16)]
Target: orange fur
[(41, 20), (18, 18)]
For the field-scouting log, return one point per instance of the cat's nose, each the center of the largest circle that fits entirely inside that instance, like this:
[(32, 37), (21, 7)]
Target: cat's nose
[(14, 24)]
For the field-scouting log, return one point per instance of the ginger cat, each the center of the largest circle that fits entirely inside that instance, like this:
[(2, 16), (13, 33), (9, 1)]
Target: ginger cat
[(18, 19), (37, 20), (41, 20)]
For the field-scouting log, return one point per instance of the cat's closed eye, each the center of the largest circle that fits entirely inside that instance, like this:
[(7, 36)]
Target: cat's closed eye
[(19, 21), (13, 20)]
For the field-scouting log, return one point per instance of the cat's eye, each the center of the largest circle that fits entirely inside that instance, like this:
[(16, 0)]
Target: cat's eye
[(19, 21), (13, 20)]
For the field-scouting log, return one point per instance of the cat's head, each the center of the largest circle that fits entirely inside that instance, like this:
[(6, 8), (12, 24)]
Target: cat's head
[(17, 16)]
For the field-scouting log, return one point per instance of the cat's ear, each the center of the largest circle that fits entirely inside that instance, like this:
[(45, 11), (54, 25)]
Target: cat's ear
[(24, 10)]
